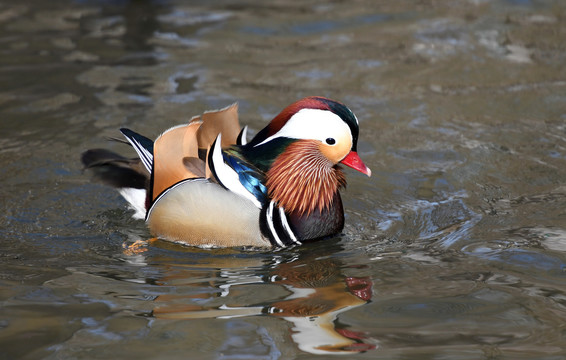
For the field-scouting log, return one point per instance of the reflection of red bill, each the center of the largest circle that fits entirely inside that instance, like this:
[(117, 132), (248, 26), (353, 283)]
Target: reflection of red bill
[(360, 347), (355, 335), (351, 334), (360, 287)]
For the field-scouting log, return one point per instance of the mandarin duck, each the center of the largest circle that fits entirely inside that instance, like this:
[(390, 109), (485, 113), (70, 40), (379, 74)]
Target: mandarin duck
[(202, 184)]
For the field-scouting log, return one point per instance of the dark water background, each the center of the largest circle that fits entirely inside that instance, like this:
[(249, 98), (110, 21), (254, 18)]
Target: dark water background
[(454, 249)]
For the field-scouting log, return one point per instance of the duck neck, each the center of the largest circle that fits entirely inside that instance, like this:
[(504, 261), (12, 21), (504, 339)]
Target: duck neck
[(302, 181)]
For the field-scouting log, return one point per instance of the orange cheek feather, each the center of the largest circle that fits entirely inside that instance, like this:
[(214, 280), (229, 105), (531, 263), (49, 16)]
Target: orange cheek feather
[(337, 152)]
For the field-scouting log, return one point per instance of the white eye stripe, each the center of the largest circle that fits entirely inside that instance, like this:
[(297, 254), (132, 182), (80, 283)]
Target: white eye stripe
[(313, 124)]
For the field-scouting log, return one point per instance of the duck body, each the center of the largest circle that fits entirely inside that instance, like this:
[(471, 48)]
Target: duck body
[(202, 184)]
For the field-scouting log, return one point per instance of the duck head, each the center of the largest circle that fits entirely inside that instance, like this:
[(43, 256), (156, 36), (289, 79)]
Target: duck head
[(329, 123), (300, 149)]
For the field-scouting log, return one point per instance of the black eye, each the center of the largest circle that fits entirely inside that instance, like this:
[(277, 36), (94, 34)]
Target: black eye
[(330, 141)]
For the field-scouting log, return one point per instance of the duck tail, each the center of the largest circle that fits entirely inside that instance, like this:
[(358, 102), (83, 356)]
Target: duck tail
[(128, 176)]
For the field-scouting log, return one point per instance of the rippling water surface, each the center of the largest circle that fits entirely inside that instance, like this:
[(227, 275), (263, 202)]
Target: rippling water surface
[(454, 249)]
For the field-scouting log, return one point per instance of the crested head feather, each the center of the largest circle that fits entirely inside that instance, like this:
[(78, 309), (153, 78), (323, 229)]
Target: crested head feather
[(301, 179), (312, 102)]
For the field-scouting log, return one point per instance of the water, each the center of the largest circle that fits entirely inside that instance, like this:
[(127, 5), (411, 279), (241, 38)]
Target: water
[(454, 249)]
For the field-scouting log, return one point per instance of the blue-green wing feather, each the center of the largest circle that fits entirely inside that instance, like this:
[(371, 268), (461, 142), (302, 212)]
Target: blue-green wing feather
[(250, 177)]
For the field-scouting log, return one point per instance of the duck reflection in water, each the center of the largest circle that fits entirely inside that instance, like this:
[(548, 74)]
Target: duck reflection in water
[(317, 292)]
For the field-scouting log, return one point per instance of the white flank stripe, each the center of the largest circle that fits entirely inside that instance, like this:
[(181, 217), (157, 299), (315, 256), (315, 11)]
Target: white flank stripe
[(269, 216), (286, 226)]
